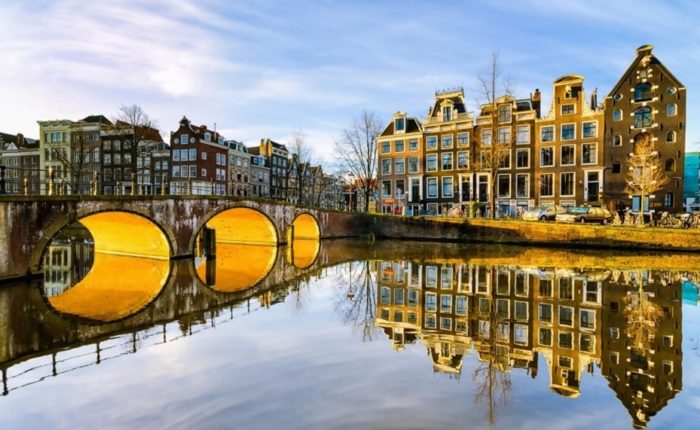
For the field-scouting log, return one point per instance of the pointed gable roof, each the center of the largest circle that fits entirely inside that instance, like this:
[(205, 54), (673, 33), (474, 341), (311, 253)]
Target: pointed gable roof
[(644, 53)]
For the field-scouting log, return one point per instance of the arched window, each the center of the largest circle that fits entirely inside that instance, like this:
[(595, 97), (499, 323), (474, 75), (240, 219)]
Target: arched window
[(617, 115), (670, 165), (671, 109), (671, 136), (668, 200), (642, 92), (617, 140), (642, 117)]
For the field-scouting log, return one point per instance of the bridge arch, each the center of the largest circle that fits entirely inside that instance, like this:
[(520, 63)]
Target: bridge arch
[(239, 224), (306, 227), (116, 231)]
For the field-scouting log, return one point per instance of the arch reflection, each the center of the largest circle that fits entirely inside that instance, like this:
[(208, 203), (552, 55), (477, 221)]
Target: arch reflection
[(237, 267), (116, 287), (302, 253)]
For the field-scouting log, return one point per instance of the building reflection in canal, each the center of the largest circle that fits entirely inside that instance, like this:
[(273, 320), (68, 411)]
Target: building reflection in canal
[(624, 322), (500, 313)]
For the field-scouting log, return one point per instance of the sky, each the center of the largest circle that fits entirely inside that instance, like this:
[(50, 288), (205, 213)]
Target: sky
[(263, 68)]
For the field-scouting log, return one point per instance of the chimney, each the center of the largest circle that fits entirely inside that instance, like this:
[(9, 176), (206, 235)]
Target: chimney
[(20, 140), (594, 99), (536, 101)]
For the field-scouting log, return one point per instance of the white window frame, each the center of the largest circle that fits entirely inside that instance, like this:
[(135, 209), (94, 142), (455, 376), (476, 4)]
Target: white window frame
[(595, 161), (442, 186), (450, 140), (554, 133), (561, 110), (561, 155), (427, 142), (554, 158), (465, 145), (396, 170), (553, 186), (509, 134), (442, 165), (527, 185), (583, 128), (527, 150), (498, 186), (615, 113), (427, 168), (417, 148), (466, 153), (427, 187), (525, 127), (561, 188), (561, 131)]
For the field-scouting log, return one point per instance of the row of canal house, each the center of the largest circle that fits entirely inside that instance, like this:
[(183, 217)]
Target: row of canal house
[(573, 154), (97, 156)]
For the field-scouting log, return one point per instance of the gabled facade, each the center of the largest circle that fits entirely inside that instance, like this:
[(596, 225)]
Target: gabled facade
[(569, 156), (646, 99), (19, 159), (400, 166), (199, 160), (239, 169), (277, 155)]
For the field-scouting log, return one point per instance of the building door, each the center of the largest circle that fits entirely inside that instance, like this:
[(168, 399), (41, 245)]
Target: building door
[(465, 189), (592, 186), (415, 190), (483, 188)]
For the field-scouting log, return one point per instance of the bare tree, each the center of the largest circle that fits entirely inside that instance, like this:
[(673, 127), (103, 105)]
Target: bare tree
[(642, 318), (645, 173), (494, 148), (132, 119), (357, 150), (358, 305), (298, 167), (76, 159)]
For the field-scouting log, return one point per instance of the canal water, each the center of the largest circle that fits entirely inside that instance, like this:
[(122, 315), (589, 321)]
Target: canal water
[(349, 334)]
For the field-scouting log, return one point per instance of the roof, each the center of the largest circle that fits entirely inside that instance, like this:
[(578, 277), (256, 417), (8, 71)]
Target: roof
[(643, 52), (18, 140), (412, 126), (255, 150), (568, 78), (97, 119)]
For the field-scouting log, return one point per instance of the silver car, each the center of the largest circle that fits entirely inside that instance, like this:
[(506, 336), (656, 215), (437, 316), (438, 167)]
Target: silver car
[(543, 213)]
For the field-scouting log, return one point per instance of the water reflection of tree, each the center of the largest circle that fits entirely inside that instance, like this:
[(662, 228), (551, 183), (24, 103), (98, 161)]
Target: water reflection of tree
[(492, 374), (642, 317), (358, 303)]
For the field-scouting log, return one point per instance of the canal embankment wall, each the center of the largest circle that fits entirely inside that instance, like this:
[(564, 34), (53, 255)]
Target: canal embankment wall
[(533, 233)]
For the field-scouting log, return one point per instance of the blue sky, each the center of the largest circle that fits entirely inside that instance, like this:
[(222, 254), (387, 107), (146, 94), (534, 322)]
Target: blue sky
[(271, 68)]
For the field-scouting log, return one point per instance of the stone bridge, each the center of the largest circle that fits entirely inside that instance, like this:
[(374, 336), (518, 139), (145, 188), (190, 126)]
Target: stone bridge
[(162, 227)]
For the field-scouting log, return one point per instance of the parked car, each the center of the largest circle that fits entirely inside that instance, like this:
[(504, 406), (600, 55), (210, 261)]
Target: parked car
[(586, 214), (543, 213)]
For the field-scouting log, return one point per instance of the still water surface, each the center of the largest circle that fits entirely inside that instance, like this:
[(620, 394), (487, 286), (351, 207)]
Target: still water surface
[(347, 334)]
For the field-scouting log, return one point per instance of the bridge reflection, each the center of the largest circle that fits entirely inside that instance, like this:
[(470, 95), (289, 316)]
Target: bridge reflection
[(237, 267)]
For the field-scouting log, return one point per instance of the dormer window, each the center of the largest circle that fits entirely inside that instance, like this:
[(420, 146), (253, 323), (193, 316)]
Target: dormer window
[(447, 113), (400, 124), (207, 136), (504, 114)]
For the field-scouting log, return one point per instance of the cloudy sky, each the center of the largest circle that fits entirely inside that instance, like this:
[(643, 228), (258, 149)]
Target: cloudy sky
[(261, 68)]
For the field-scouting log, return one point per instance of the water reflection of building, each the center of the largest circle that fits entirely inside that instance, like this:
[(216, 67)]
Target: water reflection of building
[(66, 261), (508, 315)]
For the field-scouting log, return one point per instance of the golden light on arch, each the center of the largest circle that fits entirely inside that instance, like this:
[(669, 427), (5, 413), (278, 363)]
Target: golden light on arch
[(125, 233), (238, 266), (302, 253), (243, 225), (116, 287), (305, 227)]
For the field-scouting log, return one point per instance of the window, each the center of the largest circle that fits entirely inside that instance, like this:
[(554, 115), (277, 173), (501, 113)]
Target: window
[(504, 135), (108, 158), (399, 166), (504, 114), (670, 136), (207, 136), (431, 143), (431, 184), (671, 109), (522, 158), (485, 137), (461, 305), (568, 157), (503, 185), (184, 139), (503, 308), (446, 303), (447, 113), (522, 185), (522, 136), (192, 169), (544, 313), (398, 296), (568, 109), (413, 145), (202, 156), (386, 166), (568, 132), (446, 141), (642, 92), (589, 153), (431, 162), (668, 200), (547, 157), (463, 160), (413, 165), (447, 186), (670, 165), (617, 140), (617, 115), (521, 310), (504, 159), (204, 173), (398, 146), (567, 184), (462, 140), (590, 129), (566, 340), (616, 167), (176, 171), (642, 117), (545, 337), (400, 124), (193, 155), (587, 319), (547, 185), (431, 302), (547, 133), (386, 189)]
